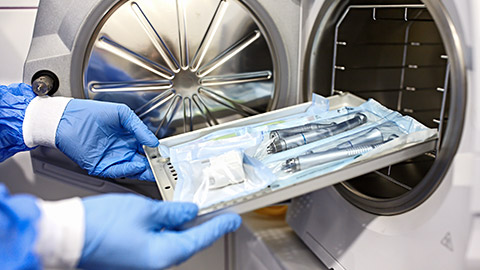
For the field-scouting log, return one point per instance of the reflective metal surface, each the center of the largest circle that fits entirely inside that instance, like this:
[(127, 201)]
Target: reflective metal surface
[(401, 53), (181, 65)]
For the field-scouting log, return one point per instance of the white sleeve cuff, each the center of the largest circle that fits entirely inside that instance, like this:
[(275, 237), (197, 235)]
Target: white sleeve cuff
[(42, 117), (61, 230)]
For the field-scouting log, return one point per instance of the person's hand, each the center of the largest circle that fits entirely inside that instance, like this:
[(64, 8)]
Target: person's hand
[(14, 100), (133, 232), (105, 139)]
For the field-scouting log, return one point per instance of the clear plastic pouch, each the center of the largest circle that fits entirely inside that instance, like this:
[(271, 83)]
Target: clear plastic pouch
[(220, 166), (388, 132), (235, 162), (221, 178)]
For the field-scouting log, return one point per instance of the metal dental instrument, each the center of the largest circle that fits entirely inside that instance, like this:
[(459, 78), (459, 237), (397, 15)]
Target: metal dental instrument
[(357, 146), (372, 136), (302, 138), (306, 161), (281, 133)]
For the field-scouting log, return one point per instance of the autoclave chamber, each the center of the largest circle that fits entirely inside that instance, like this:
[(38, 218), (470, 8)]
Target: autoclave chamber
[(185, 65), (408, 56), (415, 57)]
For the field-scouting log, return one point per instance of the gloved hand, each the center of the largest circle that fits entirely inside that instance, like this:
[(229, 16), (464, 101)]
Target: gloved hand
[(14, 100), (105, 139), (19, 215), (133, 232)]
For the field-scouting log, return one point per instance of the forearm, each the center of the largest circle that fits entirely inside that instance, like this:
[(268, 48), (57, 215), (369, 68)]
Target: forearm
[(101, 137), (14, 100), (19, 215), (27, 120), (34, 232)]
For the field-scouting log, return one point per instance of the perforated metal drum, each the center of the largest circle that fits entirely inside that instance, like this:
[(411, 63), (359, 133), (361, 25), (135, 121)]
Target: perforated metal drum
[(182, 65)]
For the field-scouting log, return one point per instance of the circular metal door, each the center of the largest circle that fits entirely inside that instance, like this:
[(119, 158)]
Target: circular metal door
[(182, 65)]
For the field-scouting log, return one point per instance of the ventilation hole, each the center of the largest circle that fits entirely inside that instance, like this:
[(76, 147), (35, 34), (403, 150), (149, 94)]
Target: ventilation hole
[(176, 178), (153, 156), (174, 174), (167, 187)]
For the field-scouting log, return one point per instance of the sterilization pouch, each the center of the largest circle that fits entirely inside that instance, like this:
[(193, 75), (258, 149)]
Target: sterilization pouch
[(234, 162), (220, 166), (397, 132)]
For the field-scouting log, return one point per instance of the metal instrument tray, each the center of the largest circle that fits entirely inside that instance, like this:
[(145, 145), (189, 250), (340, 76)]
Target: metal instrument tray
[(166, 176)]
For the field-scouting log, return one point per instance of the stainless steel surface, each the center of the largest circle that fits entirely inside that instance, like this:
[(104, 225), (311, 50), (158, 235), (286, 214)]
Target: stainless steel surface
[(127, 86), (402, 54), (359, 145), (42, 85), (276, 194), (65, 31), (281, 133), (372, 136), (441, 120), (266, 242), (303, 162), (272, 196), (211, 57), (301, 138), (406, 43), (167, 176), (236, 78)]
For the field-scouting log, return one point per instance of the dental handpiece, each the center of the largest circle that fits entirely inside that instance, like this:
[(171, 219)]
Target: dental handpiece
[(281, 133), (303, 162), (372, 136), (302, 138), (360, 144)]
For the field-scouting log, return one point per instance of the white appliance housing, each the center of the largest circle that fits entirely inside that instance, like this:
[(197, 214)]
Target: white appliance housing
[(441, 233)]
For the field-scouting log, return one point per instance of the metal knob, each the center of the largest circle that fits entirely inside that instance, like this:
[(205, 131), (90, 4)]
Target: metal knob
[(43, 85)]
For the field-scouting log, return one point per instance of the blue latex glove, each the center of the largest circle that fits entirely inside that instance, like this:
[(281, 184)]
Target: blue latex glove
[(105, 139), (19, 215), (14, 100), (133, 232)]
